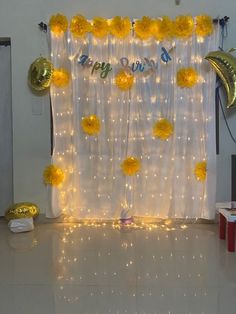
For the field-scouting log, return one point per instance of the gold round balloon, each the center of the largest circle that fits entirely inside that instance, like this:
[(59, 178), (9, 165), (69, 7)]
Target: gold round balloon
[(22, 210), (224, 63), (40, 74)]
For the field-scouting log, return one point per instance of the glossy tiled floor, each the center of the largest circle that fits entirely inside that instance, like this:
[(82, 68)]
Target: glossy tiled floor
[(73, 269)]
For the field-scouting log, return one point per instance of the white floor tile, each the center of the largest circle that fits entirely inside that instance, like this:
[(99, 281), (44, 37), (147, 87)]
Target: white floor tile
[(67, 269)]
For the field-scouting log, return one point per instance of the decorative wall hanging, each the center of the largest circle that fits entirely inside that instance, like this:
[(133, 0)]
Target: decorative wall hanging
[(40, 74), (134, 117)]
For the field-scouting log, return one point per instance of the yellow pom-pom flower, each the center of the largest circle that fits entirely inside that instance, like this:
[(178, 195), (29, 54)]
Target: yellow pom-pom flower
[(60, 77), (120, 27), (100, 27), (79, 26), (124, 80), (163, 129), (200, 171), (187, 77), (143, 28), (130, 166), (58, 24), (91, 125), (183, 26), (204, 25), (162, 29), (53, 175)]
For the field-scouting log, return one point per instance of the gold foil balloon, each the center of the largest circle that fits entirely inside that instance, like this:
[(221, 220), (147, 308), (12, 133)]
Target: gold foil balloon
[(40, 74), (224, 64), (22, 210)]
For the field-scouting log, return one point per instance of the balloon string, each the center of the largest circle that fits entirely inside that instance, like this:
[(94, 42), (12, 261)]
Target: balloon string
[(219, 102)]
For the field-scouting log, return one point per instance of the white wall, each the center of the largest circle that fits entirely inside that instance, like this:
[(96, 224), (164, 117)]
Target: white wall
[(31, 134)]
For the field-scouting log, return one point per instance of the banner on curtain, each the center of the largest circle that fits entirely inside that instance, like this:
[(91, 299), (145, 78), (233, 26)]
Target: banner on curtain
[(104, 68)]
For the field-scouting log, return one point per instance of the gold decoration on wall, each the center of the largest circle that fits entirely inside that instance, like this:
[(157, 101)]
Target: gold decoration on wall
[(163, 129), (58, 24), (224, 63), (204, 25), (162, 29), (91, 125), (79, 26), (40, 74), (130, 166), (183, 26), (143, 28), (100, 27), (53, 175), (187, 77), (60, 77), (124, 80), (200, 170), (120, 27)]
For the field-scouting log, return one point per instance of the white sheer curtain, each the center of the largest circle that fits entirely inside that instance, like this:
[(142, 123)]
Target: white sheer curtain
[(95, 186)]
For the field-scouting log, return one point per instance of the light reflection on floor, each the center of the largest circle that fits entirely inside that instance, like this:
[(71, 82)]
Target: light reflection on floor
[(103, 268)]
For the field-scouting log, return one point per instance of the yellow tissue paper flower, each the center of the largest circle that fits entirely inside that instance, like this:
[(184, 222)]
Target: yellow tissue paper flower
[(60, 77), (124, 80), (143, 28), (163, 129), (79, 26), (187, 77), (162, 29), (130, 166), (100, 27), (91, 125), (183, 26), (58, 24), (200, 170), (53, 175), (204, 25), (120, 27)]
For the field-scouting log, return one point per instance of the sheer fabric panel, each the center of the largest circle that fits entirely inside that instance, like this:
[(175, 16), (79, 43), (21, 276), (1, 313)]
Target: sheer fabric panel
[(95, 186)]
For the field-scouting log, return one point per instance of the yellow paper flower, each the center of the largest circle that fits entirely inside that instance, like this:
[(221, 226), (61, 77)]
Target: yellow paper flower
[(204, 25), (162, 29), (120, 27), (53, 175), (58, 24), (163, 129), (200, 170), (124, 80), (187, 77), (143, 28), (183, 26), (91, 125), (130, 166), (60, 77), (79, 26), (100, 27)]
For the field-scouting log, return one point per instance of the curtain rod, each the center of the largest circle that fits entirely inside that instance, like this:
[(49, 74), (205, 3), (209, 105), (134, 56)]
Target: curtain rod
[(5, 41), (222, 21)]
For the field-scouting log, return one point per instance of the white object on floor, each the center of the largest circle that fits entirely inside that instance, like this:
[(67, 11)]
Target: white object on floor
[(231, 204), (21, 225)]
